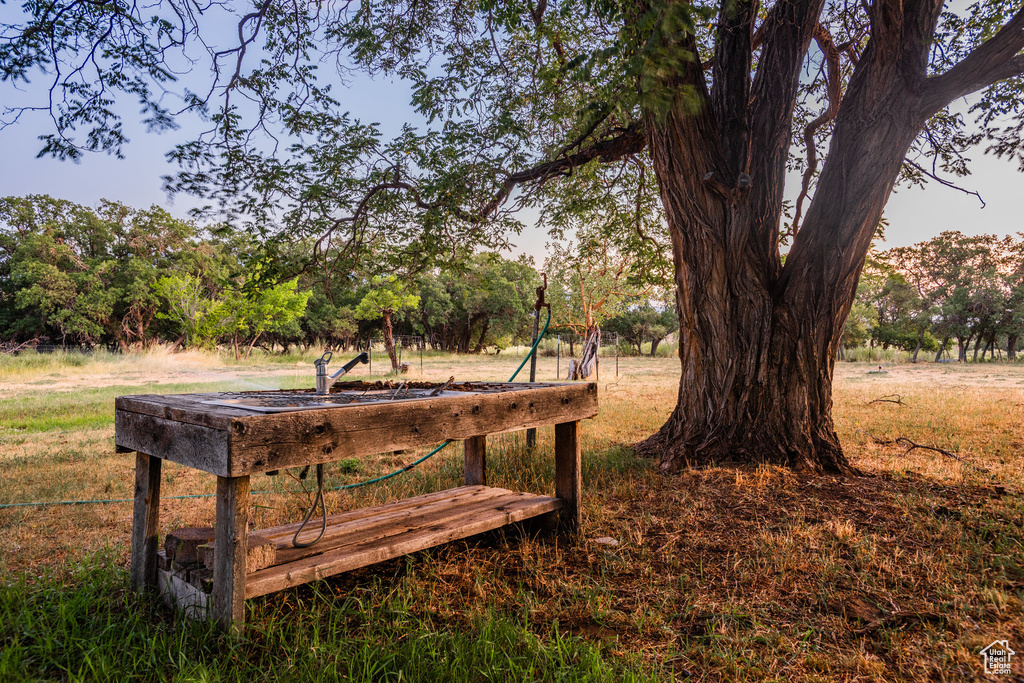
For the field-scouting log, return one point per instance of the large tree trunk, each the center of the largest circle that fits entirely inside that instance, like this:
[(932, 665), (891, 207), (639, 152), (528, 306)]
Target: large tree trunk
[(963, 343), (757, 341), (483, 336), (654, 345), (920, 341), (588, 361), (942, 347), (1011, 347), (389, 340)]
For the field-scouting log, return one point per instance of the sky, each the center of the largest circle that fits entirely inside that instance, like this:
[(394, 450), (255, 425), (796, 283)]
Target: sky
[(914, 214)]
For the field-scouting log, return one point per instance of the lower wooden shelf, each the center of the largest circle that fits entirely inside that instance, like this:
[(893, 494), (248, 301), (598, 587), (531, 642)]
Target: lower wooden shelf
[(371, 535), (363, 537)]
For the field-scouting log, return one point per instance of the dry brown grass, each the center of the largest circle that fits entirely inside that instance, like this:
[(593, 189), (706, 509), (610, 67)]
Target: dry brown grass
[(752, 573)]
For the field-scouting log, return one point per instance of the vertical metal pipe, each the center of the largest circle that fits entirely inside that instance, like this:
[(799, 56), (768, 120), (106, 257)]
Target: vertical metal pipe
[(531, 434)]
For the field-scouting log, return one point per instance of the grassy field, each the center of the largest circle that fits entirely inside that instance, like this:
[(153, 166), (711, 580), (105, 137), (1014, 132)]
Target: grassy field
[(750, 573)]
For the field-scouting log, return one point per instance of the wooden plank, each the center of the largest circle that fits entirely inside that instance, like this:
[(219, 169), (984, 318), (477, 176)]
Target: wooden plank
[(409, 540), (230, 553), (183, 596), (475, 460), (282, 535), (200, 447), (263, 442), (275, 441), (145, 522), (385, 525), (187, 408), (191, 409), (568, 479)]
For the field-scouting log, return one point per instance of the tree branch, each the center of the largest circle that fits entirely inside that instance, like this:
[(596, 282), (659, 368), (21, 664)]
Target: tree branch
[(629, 141), (834, 95), (888, 398), (912, 446), (789, 27), (992, 61), (730, 89), (920, 169)]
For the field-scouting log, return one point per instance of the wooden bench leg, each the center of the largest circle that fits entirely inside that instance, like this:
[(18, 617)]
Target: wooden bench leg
[(568, 484), (476, 460), (145, 522), (229, 555)]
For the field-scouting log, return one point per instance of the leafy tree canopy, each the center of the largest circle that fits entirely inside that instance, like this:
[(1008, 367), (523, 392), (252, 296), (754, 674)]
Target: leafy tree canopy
[(387, 296)]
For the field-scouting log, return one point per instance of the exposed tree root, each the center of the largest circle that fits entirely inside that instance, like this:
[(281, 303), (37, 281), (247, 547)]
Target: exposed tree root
[(675, 455)]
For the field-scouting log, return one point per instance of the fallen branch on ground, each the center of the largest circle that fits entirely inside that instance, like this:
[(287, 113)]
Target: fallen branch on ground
[(899, 619), (888, 398), (21, 347), (912, 445)]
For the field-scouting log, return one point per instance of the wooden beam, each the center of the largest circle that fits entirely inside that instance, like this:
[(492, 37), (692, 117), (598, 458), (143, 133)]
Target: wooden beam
[(383, 522), (262, 442), (229, 562), (475, 469), (183, 596), (145, 522), (568, 480), (402, 537), (284, 440), (203, 448)]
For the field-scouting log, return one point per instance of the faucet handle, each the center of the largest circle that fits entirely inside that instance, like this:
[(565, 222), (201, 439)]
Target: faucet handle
[(323, 360)]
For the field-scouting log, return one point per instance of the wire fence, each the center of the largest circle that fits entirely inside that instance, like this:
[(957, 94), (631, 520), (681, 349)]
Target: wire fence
[(408, 350), (15, 349), (608, 347)]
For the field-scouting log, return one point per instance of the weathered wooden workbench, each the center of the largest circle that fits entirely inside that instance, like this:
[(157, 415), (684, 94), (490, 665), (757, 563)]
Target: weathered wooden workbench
[(234, 443)]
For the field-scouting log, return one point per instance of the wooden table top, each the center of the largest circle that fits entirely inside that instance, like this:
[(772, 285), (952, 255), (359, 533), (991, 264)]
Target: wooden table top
[(199, 431)]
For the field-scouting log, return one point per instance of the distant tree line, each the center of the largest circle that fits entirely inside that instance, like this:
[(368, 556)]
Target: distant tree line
[(951, 291), (129, 278)]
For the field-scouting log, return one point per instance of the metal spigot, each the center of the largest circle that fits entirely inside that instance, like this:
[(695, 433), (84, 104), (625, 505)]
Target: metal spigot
[(325, 381)]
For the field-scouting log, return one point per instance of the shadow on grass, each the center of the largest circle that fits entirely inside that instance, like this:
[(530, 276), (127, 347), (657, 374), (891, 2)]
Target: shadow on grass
[(89, 627)]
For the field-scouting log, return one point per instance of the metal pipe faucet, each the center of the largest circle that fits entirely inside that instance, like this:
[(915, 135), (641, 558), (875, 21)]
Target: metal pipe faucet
[(325, 381)]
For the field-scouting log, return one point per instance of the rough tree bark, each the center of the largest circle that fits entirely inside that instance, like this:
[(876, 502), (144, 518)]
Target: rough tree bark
[(389, 339), (588, 360), (758, 341)]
